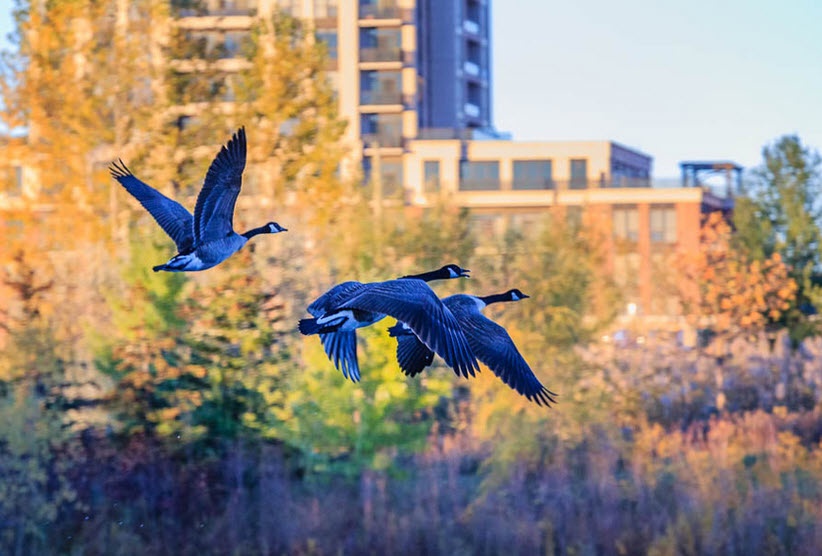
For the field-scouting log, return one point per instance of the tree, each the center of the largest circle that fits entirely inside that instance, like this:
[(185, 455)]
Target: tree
[(782, 214), (36, 408), (728, 292)]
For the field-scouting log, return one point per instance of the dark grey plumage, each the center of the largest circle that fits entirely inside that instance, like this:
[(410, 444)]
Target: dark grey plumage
[(489, 341), (207, 238), (406, 298)]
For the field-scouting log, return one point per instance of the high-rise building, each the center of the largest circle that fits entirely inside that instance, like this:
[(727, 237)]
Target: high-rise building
[(402, 69)]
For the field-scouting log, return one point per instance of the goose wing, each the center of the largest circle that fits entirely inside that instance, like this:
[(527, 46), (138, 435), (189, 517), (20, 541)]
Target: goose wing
[(341, 348), (412, 355), (214, 211), (173, 218), (494, 347), (332, 298), (415, 304)]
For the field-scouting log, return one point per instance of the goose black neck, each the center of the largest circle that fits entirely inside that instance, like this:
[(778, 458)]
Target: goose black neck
[(255, 232), (425, 276), (496, 298)]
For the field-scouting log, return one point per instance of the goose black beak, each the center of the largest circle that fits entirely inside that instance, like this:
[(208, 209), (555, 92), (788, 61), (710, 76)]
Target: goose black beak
[(464, 273)]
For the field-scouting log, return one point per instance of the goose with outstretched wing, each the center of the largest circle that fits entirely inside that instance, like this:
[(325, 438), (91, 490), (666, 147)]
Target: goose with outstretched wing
[(207, 238)]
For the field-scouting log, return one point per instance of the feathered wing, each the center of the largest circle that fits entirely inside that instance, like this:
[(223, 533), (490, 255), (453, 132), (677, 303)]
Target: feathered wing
[(214, 211), (334, 297), (173, 218), (412, 355), (492, 345), (341, 348), (415, 304)]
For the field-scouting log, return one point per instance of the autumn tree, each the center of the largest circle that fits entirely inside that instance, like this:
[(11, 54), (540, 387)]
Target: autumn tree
[(726, 291), (39, 402), (781, 213)]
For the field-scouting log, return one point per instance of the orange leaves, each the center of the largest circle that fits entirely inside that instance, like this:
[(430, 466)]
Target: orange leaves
[(729, 292)]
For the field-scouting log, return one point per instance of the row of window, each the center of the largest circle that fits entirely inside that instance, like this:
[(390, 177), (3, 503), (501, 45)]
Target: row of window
[(483, 175), (662, 223)]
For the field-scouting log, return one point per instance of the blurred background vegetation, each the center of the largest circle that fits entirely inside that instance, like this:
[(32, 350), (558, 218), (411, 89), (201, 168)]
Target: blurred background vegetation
[(161, 413)]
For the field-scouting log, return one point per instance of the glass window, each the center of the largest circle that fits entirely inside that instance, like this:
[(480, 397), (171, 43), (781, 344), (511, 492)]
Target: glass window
[(626, 223), (532, 174), (380, 45), (325, 8), (431, 176), (383, 129), (391, 172), (379, 9), (479, 175), (380, 87), (329, 37), (663, 224), (579, 173)]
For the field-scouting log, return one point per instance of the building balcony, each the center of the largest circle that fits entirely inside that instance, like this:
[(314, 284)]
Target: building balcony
[(193, 8), (379, 97), (382, 139), (380, 10), (381, 54)]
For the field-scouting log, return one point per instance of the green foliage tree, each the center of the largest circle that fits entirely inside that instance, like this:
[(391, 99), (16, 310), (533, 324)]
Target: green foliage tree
[(781, 213), (35, 408)]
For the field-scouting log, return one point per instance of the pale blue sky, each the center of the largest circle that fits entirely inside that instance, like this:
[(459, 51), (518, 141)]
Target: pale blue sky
[(682, 80), (691, 79)]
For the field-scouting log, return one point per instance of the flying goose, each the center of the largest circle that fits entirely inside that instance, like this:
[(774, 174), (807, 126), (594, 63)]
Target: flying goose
[(351, 305), (208, 238), (489, 341)]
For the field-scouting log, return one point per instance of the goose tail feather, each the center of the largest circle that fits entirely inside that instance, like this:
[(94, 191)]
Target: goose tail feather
[(309, 327)]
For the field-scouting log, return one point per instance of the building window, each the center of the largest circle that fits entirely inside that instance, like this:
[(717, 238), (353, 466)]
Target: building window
[(325, 8), (478, 175), (663, 224), (383, 130), (329, 37), (379, 9), (473, 105), (380, 87), (472, 11), (391, 175), (532, 174), (431, 175), (380, 45), (579, 173), (626, 223)]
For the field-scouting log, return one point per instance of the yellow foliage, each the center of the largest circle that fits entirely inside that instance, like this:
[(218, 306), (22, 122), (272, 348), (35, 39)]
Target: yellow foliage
[(738, 296)]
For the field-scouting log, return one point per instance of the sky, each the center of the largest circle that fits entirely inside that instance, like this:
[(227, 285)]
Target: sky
[(676, 79), (679, 80)]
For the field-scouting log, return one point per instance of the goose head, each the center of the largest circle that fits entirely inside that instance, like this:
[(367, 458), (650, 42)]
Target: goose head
[(274, 228), (515, 295), (453, 271), (444, 273)]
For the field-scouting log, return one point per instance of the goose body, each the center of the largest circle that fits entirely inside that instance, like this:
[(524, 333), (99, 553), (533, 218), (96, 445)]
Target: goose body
[(489, 341), (351, 305), (206, 238)]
